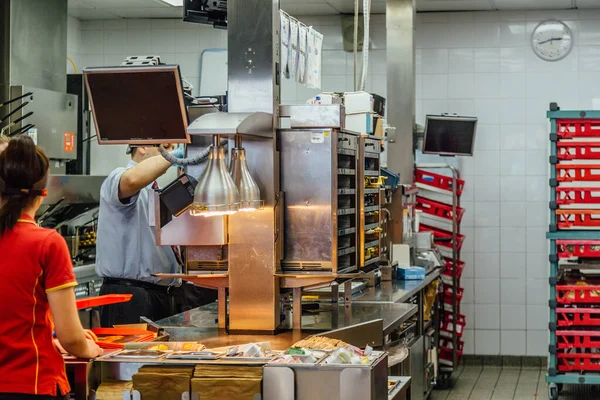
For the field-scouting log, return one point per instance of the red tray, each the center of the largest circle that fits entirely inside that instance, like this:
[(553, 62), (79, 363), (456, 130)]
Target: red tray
[(578, 172), (438, 209), (446, 350), (577, 128), (573, 294), (103, 300), (577, 195), (447, 272), (578, 248), (578, 339), (448, 294), (442, 234), (578, 150), (569, 219), (446, 329), (578, 362), (442, 182), (568, 317)]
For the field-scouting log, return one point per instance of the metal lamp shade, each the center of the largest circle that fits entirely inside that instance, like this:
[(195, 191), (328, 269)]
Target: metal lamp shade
[(247, 187), (216, 193)]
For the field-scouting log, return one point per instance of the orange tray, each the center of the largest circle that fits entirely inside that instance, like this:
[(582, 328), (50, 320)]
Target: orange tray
[(130, 335), (103, 300)]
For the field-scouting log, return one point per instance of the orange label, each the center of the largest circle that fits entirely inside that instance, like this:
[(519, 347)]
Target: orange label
[(69, 142)]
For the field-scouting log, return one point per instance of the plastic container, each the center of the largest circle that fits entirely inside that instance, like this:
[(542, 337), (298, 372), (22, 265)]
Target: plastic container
[(411, 273), (578, 317), (578, 248), (577, 128), (573, 294)]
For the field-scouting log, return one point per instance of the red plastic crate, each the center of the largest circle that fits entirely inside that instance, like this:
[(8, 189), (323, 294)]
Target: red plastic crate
[(447, 272), (442, 234), (568, 317), (446, 328), (578, 150), (442, 182), (445, 353), (448, 294), (568, 219), (578, 248), (438, 209), (578, 362), (573, 294), (577, 128), (578, 172), (578, 339), (577, 195)]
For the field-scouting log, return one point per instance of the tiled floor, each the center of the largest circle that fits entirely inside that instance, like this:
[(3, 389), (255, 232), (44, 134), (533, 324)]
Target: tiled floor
[(496, 383)]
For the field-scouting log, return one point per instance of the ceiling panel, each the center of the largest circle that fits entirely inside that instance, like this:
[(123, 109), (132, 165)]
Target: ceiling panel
[(171, 12), (309, 9), (90, 13), (587, 3), (532, 4), (454, 5), (112, 4)]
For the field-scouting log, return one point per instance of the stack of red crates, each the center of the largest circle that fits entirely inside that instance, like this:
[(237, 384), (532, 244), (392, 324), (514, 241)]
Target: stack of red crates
[(435, 202), (576, 208)]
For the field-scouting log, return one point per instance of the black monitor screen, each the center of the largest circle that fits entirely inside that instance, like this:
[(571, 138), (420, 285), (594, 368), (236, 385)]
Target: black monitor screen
[(449, 135), (138, 105)]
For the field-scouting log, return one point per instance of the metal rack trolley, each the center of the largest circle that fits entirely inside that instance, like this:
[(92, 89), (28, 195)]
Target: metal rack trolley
[(448, 185), (573, 232)]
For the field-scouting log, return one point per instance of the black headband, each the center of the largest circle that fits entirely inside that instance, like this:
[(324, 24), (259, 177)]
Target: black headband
[(38, 189)]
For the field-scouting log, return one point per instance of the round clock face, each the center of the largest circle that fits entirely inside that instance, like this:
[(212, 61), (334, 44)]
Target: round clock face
[(552, 40)]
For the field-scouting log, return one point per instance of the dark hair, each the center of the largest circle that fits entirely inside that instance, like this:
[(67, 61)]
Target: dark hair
[(23, 165)]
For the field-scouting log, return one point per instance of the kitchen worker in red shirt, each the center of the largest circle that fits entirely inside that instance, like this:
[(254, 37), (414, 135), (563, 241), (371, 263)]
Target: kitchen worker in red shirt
[(36, 286)]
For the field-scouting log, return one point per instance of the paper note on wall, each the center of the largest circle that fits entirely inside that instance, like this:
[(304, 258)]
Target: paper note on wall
[(313, 69), (293, 53), (285, 44), (302, 39)]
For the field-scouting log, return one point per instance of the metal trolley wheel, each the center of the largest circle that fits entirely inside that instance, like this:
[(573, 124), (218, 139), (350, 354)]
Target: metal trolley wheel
[(553, 390)]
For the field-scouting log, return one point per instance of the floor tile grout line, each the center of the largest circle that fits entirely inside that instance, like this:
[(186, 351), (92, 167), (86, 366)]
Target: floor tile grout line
[(537, 388), (496, 384), (457, 378), (475, 384)]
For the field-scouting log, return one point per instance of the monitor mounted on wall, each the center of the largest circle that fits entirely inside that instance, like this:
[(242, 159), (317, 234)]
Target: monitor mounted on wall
[(449, 135)]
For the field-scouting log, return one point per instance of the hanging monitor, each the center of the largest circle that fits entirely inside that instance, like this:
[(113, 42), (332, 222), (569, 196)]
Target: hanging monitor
[(449, 135), (137, 105)]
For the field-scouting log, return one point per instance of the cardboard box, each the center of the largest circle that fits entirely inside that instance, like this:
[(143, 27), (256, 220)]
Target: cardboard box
[(359, 123), (238, 388), (358, 102), (379, 122)]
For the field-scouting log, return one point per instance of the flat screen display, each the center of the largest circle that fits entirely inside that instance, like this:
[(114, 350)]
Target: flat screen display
[(137, 105), (446, 135)]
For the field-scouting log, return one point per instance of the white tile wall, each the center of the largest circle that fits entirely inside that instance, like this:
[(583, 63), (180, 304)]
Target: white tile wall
[(490, 66)]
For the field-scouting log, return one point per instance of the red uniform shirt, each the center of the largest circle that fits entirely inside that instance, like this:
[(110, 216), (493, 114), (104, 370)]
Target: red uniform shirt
[(33, 262)]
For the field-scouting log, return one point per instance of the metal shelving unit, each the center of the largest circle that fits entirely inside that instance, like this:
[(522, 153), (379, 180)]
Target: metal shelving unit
[(574, 234), (370, 201)]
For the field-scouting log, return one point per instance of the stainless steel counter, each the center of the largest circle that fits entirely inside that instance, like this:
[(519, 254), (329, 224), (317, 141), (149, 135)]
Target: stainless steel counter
[(200, 324), (396, 291)]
